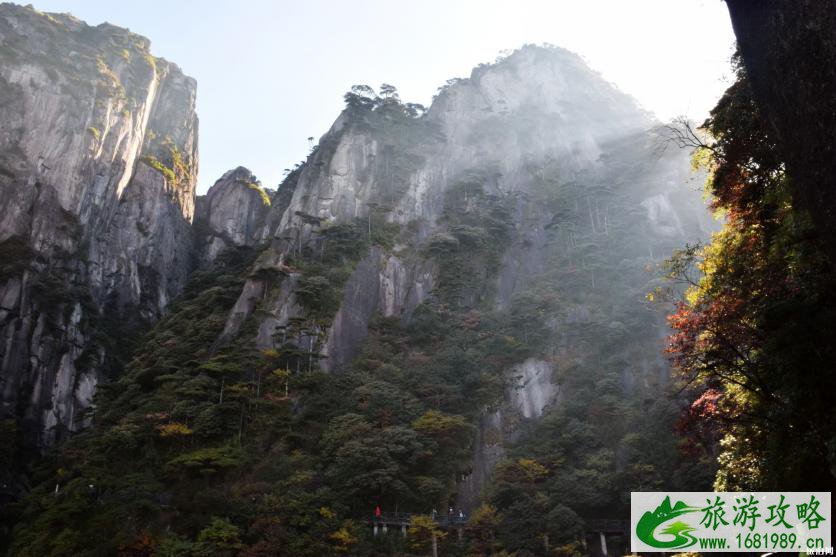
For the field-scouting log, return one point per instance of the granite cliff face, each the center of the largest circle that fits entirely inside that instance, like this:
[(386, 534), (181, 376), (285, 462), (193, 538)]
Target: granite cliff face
[(539, 103), (98, 167), (231, 213), (538, 119), (532, 191), (595, 201)]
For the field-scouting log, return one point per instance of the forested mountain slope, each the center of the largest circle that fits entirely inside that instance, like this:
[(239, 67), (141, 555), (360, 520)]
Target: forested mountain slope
[(440, 307)]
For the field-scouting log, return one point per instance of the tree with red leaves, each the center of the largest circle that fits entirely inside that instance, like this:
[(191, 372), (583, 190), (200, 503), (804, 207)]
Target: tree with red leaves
[(753, 337)]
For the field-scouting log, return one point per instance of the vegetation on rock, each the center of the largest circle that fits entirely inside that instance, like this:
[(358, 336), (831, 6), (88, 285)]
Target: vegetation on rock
[(752, 337)]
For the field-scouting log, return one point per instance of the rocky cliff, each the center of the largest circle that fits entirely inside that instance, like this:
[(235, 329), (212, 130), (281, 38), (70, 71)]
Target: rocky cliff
[(593, 203), (529, 128), (473, 271), (231, 213), (98, 167)]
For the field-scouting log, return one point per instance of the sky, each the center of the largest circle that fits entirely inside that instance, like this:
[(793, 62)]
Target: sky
[(271, 73)]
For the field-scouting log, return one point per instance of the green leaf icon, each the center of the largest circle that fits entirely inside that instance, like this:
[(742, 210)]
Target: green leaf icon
[(679, 530)]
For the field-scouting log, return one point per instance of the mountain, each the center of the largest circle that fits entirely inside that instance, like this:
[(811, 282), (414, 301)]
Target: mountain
[(439, 307), (98, 167)]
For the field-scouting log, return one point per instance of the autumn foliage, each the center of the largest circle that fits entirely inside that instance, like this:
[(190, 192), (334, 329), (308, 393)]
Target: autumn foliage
[(753, 336)]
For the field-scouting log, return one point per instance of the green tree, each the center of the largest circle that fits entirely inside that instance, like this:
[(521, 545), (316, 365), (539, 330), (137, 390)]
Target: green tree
[(760, 313), (482, 526), (221, 537), (423, 533)]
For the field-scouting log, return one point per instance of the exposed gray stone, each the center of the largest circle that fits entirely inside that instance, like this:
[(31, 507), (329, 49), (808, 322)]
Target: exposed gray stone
[(359, 303), (231, 213), (87, 113), (532, 389)]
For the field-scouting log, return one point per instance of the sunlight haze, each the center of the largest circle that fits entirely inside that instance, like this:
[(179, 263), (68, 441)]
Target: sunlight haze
[(271, 74)]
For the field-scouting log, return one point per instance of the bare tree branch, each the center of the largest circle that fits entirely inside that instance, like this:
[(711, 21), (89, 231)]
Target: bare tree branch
[(682, 134)]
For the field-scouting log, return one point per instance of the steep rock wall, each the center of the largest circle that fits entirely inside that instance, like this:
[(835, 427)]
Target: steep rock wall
[(231, 213), (526, 108), (593, 194), (98, 167), (496, 127)]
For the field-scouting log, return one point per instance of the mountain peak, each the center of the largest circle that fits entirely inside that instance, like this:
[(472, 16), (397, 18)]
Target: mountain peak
[(546, 79), (231, 213)]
